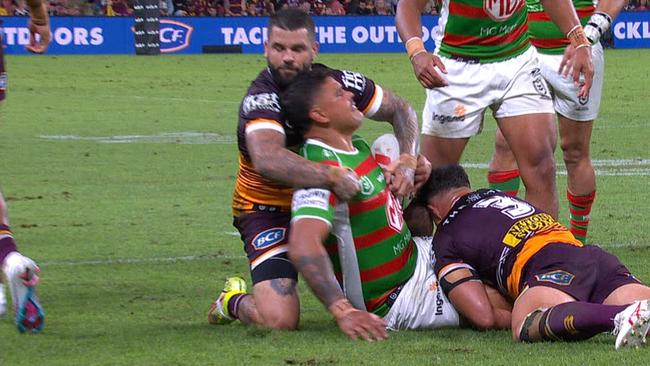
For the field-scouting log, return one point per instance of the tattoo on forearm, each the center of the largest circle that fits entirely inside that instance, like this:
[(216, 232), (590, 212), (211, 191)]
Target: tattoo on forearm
[(318, 272), (402, 116), (283, 286), (288, 168)]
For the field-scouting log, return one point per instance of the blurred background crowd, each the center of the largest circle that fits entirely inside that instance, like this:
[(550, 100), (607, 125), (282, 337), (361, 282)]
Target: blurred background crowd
[(231, 7)]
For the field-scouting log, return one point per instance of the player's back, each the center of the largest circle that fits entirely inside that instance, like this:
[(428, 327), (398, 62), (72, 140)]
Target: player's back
[(487, 229)]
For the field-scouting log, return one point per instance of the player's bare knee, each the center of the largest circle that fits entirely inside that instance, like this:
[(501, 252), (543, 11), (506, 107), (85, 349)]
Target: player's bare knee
[(281, 320)]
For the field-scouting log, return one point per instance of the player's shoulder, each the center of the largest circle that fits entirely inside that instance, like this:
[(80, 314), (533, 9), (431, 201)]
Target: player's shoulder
[(317, 151), (263, 95)]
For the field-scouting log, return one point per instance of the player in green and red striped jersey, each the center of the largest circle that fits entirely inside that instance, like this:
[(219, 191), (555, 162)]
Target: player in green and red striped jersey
[(358, 257), (484, 60), (575, 113)]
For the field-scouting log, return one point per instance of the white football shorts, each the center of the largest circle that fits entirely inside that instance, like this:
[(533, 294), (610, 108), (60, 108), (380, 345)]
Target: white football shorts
[(512, 87), (565, 92), (421, 304)]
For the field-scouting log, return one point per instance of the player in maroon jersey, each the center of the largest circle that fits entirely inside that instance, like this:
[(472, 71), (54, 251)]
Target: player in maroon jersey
[(560, 288)]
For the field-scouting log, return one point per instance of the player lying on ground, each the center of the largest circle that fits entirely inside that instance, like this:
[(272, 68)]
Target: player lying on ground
[(358, 257), (561, 289)]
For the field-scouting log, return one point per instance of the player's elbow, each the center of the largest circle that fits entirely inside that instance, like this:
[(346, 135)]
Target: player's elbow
[(484, 320)]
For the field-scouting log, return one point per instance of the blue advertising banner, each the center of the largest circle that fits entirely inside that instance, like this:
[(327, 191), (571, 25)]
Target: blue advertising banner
[(114, 35), (632, 30)]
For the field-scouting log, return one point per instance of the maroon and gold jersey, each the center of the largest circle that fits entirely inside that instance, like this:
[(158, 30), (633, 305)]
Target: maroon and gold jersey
[(261, 109), (495, 234)]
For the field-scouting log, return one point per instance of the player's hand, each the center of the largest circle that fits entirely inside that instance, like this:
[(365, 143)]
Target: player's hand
[(422, 172), (424, 66), (344, 183), (400, 176), (578, 62), (361, 324), (43, 31)]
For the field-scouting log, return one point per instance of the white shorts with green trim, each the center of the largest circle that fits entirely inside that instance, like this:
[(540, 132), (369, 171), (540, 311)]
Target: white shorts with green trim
[(565, 92), (421, 304), (510, 88)]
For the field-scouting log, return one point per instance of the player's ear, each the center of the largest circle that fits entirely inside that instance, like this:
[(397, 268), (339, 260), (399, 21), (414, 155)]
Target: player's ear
[(434, 211), (266, 46), (317, 116), (315, 47)]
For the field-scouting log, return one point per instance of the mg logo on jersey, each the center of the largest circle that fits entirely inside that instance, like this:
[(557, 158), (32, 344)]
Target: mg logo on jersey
[(501, 10), (268, 237), (174, 35)]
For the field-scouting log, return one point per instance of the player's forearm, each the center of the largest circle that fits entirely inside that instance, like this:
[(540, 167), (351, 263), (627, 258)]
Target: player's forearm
[(291, 169), (562, 13), (408, 18), (311, 260), (38, 11), (602, 18), (404, 119), (611, 7), (275, 162)]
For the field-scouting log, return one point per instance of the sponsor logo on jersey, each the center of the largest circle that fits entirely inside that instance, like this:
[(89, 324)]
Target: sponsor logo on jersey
[(525, 227), (353, 80), (3, 80), (174, 35), (262, 101), (558, 277), (268, 237), (501, 10), (315, 198), (366, 186)]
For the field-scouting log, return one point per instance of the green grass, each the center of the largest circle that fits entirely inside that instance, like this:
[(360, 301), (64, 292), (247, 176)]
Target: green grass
[(134, 239)]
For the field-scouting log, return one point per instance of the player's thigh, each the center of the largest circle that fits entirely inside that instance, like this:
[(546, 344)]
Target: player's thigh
[(531, 137), (442, 151), (627, 294), (532, 299), (565, 93), (277, 303), (456, 111)]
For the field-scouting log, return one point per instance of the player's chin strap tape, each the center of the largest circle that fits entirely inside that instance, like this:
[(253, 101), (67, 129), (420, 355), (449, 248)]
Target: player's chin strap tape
[(448, 285)]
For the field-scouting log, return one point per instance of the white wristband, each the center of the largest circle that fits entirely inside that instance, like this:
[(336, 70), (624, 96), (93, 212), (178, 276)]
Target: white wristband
[(598, 24)]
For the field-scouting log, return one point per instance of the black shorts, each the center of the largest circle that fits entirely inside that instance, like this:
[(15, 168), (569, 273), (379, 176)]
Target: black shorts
[(265, 236), (587, 273)]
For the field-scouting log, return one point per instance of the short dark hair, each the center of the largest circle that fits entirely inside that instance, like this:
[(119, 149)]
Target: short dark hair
[(299, 97), (442, 179), (292, 19)]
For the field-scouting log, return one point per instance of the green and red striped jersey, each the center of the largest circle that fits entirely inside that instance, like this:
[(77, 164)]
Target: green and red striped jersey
[(544, 34), (483, 30), (369, 245)]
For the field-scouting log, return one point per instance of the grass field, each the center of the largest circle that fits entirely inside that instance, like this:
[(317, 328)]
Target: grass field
[(119, 170)]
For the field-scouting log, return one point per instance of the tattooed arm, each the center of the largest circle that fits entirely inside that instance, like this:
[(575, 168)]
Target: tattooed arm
[(402, 116), (307, 253), (274, 161)]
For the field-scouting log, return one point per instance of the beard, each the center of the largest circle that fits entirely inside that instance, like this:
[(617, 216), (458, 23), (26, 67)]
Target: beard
[(281, 79)]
